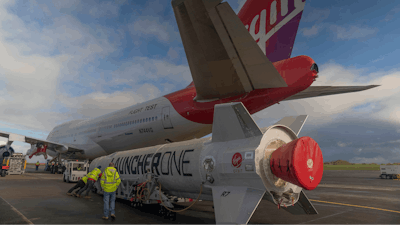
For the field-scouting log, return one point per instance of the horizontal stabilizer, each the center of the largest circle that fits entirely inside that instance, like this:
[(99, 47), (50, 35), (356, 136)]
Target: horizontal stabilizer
[(232, 121), (316, 91), (223, 57), (294, 122)]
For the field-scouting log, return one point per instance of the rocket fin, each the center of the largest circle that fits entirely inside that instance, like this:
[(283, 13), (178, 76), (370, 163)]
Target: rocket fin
[(235, 205), (232, 121), (294, 122), (302, 206)]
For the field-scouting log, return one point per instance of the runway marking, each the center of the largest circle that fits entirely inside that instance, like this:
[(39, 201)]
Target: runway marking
[(18, 212), (326, 217), (359, 187), (358, 206)]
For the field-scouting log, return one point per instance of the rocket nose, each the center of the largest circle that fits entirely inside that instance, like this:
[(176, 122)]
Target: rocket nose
[(299, 162)]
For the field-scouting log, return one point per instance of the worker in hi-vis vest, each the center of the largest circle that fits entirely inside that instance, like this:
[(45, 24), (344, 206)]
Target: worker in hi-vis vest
[(109, 183), (37, 165), (92, 177), (81, 183)]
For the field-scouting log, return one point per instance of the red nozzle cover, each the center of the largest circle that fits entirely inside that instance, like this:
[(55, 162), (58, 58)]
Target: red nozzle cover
[(299, 162)]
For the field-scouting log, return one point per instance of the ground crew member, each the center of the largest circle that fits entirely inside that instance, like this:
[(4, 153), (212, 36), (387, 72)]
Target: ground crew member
[(37, 165), (81, 183), (109, 183), (79, 168), (92, 177)]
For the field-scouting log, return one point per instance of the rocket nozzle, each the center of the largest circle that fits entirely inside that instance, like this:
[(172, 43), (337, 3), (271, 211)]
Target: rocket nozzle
[(299, 162)]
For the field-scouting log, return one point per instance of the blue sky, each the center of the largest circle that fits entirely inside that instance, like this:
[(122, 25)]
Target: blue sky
[(64, 60)]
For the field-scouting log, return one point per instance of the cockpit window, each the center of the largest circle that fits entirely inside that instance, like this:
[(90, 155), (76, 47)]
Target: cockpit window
[(314, 67)]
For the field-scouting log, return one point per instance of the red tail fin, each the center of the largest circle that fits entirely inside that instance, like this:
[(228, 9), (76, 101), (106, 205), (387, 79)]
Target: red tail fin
[(273, 24)]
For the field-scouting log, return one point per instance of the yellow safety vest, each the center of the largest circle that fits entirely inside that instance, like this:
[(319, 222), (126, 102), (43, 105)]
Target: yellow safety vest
[(85, 178), (110, 179), (94, 174), (79, 168), (37, 164)]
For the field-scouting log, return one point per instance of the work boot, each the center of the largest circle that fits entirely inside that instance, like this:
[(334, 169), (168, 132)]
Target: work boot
[(78, 196), (69, 194), (105, 218), (88, 197), (112, 216)]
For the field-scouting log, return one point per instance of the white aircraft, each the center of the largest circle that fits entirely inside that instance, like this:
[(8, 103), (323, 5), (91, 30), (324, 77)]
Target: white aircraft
[(227, 65)]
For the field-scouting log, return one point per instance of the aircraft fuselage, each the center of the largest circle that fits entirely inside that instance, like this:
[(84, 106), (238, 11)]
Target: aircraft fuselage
[(173, 117)]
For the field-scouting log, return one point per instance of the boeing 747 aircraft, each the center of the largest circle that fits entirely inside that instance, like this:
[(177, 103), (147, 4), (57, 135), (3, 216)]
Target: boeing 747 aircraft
[(232, 58)]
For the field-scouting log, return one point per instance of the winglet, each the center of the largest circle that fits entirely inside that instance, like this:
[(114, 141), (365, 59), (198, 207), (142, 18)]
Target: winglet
[(232, 121)]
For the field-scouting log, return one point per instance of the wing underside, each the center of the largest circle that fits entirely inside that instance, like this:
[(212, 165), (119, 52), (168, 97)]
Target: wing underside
[(316, 91), (57, 147)]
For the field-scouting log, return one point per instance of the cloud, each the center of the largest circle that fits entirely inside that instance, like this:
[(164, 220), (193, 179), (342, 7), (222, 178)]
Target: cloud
[(377, 160), (391, 14), (315, 14), (143, 68), (108, 9), (148, 26), (98, 103), (352, 32), (172, 53), (311, 31)]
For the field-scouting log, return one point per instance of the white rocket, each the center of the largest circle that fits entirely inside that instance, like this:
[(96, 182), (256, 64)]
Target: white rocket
[(238, 166)]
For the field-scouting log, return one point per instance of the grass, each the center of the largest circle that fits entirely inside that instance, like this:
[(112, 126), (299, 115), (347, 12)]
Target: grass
[(352, 167)]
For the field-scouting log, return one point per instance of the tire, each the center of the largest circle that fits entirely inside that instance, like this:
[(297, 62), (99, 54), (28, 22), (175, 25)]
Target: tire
[(388, 176), (3, 173), (67, 180), (64, 178)]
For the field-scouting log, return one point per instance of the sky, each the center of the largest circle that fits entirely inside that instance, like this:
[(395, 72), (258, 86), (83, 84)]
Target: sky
[(79, 59)]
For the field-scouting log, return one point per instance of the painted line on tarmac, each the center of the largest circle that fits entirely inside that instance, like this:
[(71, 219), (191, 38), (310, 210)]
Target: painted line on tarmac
[(359, 187), (18, 212), (358, 206)]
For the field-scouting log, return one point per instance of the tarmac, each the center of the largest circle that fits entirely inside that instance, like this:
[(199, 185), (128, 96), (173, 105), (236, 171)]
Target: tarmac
[(353, 197)]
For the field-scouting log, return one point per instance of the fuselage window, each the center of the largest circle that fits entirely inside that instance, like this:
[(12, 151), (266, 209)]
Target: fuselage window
[(140, 120), (147, 119), (156, 117)]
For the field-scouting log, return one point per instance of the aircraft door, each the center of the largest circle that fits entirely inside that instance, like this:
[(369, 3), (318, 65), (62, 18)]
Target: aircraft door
[(165, 117)]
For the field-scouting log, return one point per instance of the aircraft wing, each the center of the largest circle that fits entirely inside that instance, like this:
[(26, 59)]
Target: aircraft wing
[(57, 147), (316, 91), (223, 57)]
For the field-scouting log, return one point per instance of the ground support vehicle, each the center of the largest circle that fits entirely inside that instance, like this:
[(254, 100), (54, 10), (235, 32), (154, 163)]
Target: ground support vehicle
[(72, 172), (390, 172), (16, 163)]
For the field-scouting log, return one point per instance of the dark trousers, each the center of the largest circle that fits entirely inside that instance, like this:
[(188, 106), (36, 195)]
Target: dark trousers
[(80, 184), (37, 167), (88, 187)]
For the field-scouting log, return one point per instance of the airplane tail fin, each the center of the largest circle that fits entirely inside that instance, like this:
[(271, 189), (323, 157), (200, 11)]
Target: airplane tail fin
[(223, 58), (273, 24)]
